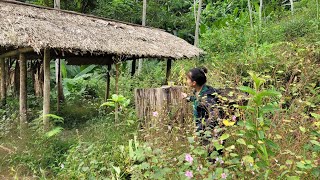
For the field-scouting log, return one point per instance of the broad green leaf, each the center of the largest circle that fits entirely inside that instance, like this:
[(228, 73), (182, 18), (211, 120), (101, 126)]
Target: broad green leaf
[(302, 129), (247, 160), (265, 93), (293, 178), (108, 104), (190, 140), (233, 155), (230, 148), (85, 169), (117, 169), (217, 146), (261, 134), (63, 67), (247, 90), (54, 132), (224, 137), (315, 142), (86, 71), (241, 141), (316, 116), (272, 144)]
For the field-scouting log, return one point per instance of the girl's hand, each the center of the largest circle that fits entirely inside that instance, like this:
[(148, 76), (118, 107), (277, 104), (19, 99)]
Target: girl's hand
[(184, 95)]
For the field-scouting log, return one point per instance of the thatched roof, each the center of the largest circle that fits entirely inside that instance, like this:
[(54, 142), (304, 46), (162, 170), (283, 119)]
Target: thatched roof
[(24, 25)]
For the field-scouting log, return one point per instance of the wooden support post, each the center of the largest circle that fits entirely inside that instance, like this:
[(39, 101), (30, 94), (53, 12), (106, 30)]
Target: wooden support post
[(60, 96), (133, 67), (3, 82), (16, 78), (117, 92), (23, 94), (108, 84), (46, 89), (168, 72)]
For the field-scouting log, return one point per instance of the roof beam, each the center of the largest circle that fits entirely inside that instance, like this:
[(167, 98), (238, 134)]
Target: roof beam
[(16, 52)]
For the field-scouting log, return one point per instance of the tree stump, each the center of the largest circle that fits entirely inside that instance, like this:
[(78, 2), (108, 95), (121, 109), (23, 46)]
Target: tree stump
[(164, 102)]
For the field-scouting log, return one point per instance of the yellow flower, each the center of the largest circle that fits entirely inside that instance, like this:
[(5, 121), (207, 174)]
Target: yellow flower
[(228, 123)]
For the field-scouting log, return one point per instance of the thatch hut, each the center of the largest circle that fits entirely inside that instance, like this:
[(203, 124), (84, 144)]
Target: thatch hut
[(29, 32)]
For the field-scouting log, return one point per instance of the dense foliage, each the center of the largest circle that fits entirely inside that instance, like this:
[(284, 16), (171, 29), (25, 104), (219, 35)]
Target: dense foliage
[(275, 61)]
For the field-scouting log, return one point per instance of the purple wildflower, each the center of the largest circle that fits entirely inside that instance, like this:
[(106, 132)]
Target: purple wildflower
[(155, 114), (224, 176), (234, 118), (189, 174), (189, 158)]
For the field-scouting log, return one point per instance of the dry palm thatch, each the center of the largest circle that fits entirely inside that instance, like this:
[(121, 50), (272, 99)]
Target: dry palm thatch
[(23, 25)]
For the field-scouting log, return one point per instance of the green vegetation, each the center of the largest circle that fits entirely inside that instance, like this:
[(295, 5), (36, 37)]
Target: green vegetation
[(277, 137)]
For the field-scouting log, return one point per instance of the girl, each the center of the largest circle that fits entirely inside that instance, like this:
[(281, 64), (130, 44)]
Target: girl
[(203, 99)]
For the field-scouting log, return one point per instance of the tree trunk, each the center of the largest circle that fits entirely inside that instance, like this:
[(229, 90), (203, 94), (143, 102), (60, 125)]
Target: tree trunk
[(161, 103), (260, 12), (196, 34), (291, 4), (3, 82), (250, 14), (46, 89), (23, 94), (144, 15), (56, 4)]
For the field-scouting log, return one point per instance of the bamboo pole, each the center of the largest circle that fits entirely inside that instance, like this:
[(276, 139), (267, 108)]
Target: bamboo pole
[(23, 94), (3, 82), (46, 89)]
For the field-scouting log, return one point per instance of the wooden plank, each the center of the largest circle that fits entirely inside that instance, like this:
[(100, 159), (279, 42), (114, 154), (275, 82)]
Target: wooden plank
[(23, 94), (46, 89)]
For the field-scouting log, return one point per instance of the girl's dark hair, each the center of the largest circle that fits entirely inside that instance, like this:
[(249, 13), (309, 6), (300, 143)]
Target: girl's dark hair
[(198, 75)]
